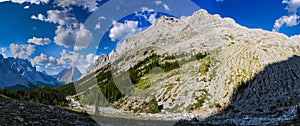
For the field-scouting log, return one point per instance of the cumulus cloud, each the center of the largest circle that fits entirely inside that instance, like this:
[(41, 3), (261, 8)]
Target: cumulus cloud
[(91, 58), (292, 5), (121, 31), (42, 59), (39, 41), (69, 32), (66, 59), (91, 5), (21, 51), (292, 19), (83, 38), (80, 37), (57, 17), (37, 2), (64, 36)]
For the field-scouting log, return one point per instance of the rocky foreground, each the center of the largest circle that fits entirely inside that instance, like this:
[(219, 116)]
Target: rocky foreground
[(20, 113)]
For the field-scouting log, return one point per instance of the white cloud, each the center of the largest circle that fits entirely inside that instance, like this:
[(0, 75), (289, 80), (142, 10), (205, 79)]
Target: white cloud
[(39, 17), (80, 37), (158, 2), (152, 18), (28, 1), (91, 58), (66, 59), (21, 51), (292, 5), (219, 0), (146, 9), (98, 26), (106, 48), (57, 17), (42, 59), (290, 21), (121, 31), (166, 7), (83, 38), (101, 18), (91, 5), (60, 17), (39, 41), (65, 36), (4, 1), (26, 7), (296, 38)]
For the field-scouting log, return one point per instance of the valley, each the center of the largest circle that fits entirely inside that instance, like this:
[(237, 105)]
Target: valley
[(195, 70)]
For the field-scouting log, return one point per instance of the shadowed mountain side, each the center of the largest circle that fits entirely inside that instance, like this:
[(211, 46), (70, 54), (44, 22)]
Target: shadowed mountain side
[(270, 97), (22, 113)]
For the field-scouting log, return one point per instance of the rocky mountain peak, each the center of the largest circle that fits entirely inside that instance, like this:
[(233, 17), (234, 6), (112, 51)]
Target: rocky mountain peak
[(68, 75)]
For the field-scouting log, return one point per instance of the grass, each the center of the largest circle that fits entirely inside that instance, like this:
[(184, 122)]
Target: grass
[(3, 96), (200, 101), (143, 84)]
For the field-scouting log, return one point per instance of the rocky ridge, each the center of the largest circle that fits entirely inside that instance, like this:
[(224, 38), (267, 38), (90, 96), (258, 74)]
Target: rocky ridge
[(18, 73), (68, 75), (250, 71), (20, 113)]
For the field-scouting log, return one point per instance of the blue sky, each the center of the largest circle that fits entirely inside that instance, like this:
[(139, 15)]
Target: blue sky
[(55, 34)]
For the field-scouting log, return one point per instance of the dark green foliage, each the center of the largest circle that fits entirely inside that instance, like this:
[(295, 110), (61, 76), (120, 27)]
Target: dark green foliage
[(201, 55), (170, 57), (146, 65), (67, 90), (200, 101), (153, 105), (48, 96), (204, 68)]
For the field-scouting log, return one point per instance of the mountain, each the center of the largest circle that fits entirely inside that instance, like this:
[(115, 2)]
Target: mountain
[(201, 64), (20, 74), (68, 75), (38, 114), (100, 62)]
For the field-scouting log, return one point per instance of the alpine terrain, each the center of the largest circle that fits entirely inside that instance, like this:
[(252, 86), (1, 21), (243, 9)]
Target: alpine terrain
[(18, 73), (203, 65), (68, 75)]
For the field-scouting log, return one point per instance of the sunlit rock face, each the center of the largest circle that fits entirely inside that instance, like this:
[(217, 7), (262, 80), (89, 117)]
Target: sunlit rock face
[(251, 70)]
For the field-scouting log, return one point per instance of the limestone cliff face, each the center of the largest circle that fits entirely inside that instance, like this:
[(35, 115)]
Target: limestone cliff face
[(235, 57)]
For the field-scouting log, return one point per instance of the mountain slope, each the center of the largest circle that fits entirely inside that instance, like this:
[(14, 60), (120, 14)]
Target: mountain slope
[(19, 73), (197, 64), (68, 75), (31, 113)]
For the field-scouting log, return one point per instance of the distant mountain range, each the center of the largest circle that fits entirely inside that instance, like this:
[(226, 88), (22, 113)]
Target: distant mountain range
[(16, 73), (68, 75)]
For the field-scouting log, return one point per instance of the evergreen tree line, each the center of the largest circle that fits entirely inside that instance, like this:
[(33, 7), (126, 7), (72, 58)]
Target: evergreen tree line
[(48, 96)]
